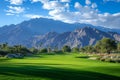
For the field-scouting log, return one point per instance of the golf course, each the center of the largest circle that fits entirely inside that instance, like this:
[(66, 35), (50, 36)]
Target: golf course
[(58, 67)]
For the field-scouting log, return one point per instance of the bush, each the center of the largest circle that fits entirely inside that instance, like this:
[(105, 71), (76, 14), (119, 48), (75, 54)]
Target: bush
[(33, 50), (75, 49), (66, 49), (58, 52), (110, 58), (44, 50), (3, 53)]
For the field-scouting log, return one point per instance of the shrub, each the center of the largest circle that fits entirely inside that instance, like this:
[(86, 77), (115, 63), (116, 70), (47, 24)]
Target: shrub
[(3, 53), (44, 50), (75, 49), (110, 58), (66, 48)]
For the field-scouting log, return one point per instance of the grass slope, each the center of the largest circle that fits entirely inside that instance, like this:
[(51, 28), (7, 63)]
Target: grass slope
[(58, 67)]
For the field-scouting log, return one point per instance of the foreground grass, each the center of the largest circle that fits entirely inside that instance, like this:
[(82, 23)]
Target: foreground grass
[(58, 67)]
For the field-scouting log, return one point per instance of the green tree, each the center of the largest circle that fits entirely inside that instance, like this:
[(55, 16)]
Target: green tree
[(89, 49), (20, 49), (3, 53), (66, 48), (118, 47), (4, 45), (75, 49), (44, 50), (56, 48), (82, 49), (34, 50), (17, 48), (98, 47), (105, 45)]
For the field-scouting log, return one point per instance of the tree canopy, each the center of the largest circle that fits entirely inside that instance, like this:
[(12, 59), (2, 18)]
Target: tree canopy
[(66, 48), (105, 45)]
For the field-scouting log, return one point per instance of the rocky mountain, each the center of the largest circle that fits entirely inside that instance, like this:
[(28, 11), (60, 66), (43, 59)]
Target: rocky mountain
[(77, 38), (44, 25), (42, 32)]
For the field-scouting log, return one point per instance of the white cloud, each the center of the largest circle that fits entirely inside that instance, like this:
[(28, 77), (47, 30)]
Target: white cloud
[(111, 0), (14, 10), (16, 2), (60, 10), (94, 5), (77, 5), (42, 1), (67, 5), (65, 0), (9, 14), (109, 20), (88, 2), (52, 5), (35, 0)]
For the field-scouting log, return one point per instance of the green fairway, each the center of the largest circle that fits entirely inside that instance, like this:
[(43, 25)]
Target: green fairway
[(58, 67)]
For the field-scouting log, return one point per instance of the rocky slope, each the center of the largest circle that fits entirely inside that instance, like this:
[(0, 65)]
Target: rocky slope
[(42, 32), (77, 38)]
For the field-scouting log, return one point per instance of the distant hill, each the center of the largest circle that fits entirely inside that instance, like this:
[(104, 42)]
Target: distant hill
[(53, 33)]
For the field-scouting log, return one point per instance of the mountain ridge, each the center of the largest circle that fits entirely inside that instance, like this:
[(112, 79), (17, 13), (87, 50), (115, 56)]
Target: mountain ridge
[(77, 38), (50, 25), (53, 33)]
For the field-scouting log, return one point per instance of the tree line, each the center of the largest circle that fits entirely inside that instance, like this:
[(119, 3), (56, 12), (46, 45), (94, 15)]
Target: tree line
[(105, 45), (6, 49)]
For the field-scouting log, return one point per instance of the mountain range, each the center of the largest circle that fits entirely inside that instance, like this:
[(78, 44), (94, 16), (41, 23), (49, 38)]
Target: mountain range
[(43, 32)]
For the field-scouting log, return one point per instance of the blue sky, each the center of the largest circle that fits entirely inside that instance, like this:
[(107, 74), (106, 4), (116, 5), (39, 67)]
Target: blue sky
[(96, 12)]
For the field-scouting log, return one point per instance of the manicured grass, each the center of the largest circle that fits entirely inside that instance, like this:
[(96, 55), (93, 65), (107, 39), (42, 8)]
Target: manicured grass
[(58, 67)]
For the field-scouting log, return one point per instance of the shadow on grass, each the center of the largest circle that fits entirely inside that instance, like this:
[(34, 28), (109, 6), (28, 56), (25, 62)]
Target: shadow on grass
[(54, 73)]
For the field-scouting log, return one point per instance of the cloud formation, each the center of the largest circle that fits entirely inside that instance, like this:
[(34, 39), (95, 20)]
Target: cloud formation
[(61, 10), (65, 0), (88, 2), (16, 2), (12, 10)]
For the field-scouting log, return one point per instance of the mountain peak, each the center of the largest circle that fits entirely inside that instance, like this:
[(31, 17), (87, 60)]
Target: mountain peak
[(52, 32), (85, 29)]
